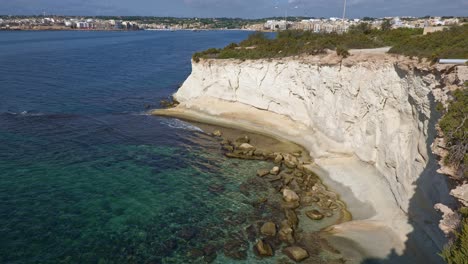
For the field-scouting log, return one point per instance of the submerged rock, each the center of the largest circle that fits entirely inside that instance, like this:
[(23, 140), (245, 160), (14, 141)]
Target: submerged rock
[(251, 232), (216, 188), (262, 248), (285, 233), (262, 172), (274, 178), (296, 253), (236, 249), (314, 215), (290, 195), (195, 253), (291, 217), (187, 232), (268, 229)]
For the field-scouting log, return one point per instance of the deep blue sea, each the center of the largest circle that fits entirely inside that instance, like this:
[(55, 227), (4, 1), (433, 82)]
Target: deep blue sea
[(87, 177)]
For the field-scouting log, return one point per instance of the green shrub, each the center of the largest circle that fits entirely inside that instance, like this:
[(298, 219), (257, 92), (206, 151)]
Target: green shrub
[(457, 252), (454, 124), (451, 44), (340, 51)]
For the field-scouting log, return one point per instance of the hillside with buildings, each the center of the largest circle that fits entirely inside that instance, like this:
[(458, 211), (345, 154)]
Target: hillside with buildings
[(327, 25)]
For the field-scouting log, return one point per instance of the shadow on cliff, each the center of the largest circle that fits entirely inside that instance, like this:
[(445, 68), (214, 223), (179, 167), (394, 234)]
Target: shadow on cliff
[(426, 240)]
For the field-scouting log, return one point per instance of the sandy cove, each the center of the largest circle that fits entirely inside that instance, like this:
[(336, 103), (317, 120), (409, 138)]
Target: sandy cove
[(373, 232)]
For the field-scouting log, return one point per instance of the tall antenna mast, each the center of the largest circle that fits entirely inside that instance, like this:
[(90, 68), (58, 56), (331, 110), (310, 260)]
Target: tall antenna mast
[(344, 14)]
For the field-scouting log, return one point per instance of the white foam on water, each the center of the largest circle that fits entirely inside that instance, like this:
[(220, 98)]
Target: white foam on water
[(179, 124)]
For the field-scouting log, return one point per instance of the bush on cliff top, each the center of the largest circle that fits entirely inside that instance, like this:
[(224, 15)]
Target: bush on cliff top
[(450, 43), (454, 124)]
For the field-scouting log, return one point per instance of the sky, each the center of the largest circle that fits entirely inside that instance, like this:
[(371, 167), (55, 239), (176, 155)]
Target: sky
[(237, 8)]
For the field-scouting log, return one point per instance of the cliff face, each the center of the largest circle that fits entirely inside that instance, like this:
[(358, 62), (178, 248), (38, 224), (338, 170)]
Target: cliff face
[(380, 113)]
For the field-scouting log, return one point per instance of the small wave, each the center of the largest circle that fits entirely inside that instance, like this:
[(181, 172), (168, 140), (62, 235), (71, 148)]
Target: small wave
[(179, 124), (24, 113), (31, 113), (144, 113)]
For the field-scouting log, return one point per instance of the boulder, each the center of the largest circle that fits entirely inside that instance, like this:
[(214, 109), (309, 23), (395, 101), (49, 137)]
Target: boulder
[(290, 161), (309, 200), (275, 170), (291, 217), (314, 215), (297, 154), (461, 193), (246, 147), (274, 178), (263, 249), (278, 159), (268, 229), (285, 233), (450, 219), (217, 133), (290, 195), (296, 253), (262, 172)]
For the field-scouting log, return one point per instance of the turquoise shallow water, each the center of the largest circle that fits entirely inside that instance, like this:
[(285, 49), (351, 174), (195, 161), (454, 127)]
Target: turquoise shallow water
[(85, 177)]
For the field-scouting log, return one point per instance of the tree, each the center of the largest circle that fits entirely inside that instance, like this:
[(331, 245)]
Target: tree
[(340, 51), (386, 25), (364, 28)]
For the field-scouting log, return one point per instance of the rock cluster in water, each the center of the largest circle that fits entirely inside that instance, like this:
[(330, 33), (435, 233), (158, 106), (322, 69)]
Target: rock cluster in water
[(298, 186)]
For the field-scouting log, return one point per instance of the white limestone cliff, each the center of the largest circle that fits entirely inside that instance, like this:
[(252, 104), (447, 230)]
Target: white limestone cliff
[(368, 122)]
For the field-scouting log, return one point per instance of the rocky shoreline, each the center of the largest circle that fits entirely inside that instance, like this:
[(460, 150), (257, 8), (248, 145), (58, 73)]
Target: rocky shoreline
[(304, 199)]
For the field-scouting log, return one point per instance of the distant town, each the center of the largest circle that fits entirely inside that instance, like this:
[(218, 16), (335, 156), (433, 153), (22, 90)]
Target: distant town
[(327, 25)]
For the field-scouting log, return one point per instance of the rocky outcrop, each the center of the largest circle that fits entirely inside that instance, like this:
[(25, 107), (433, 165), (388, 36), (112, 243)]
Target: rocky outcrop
[(461, 193), (367, 121)]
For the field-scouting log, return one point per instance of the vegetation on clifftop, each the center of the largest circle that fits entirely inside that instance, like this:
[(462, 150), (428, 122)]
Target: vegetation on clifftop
[(451, 43), (457, 251), (454, 124)]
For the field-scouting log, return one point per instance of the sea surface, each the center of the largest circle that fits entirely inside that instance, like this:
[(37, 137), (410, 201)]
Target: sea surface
[(86, 176)]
